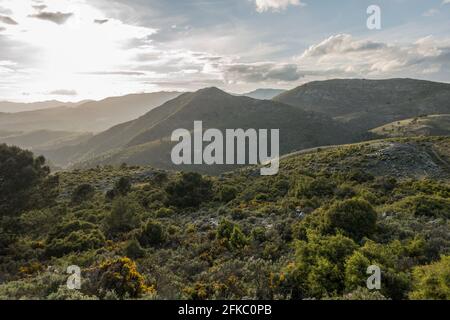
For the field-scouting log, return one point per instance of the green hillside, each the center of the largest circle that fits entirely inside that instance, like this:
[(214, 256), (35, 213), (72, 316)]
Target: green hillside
[(431, 125), (146, 140), (368, 104), (309, 232)]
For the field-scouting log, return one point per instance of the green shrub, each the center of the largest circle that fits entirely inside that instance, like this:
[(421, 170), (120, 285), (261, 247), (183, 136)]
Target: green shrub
[(432, 282), (121, 276), (356, 218), (153, 234), (124, 216), (189, 191), (84, 192)]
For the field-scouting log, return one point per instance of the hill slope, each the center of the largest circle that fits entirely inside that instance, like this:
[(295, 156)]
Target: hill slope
[(367, 104), (14, 107), (146, 140), (93, 116), (432, 125)]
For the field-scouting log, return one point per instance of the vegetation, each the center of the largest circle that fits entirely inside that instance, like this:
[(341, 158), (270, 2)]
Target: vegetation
[(309, 232)]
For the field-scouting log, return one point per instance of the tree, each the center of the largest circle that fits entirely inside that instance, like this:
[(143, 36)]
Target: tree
[(121, 188), (355, 217), (124, 216), (189, 191), (20, 176)]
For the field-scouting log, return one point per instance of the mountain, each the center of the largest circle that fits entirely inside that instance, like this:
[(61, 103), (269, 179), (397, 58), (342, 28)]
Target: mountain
[(432, 125), (146, 140), (13, 107), (264, 94), (367, 104), (43, 139), (92, 116)]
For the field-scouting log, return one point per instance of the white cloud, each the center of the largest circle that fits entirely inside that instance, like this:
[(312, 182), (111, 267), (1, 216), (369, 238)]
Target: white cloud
[(276, 5), (344, 55)]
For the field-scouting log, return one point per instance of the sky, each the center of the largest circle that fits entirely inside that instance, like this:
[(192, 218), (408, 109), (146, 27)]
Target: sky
[(72, 50)]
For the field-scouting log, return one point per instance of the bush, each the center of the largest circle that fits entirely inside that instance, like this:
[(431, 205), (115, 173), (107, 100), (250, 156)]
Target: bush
[(75, 236), (121, 188), (320, 187), (356, 218), (153, 234), (432, 282), (84, 192), (227, 193), (134, 250), (124, 216), (121, 276), (189, 191)]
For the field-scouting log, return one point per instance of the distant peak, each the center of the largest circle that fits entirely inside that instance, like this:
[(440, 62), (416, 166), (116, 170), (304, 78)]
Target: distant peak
[(211, 90)]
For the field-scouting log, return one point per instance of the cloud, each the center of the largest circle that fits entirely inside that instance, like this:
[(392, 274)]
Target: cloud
[(445, 2), (275, 5), (40, 7), (101, 21), (115, 73), (342, 43), (346, 56), (55, 17), (262, 72), (63, 92), (7, 20)]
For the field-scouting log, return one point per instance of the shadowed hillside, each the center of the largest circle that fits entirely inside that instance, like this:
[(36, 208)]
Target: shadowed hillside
[(367, 104), (146, 140)]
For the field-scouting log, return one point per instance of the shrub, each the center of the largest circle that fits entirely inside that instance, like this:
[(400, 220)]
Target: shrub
[(124, 216), (121, 276), (356, 218), (153, 234), (83, 193), (189, 191), (227, 193), (432, 282), (134, 250), (320, 187), (75, 236)]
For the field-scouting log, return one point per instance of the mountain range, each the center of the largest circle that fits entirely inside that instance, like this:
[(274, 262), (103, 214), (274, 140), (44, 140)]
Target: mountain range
[(315, 114), (91, 116), (366, 104), (146, 140)]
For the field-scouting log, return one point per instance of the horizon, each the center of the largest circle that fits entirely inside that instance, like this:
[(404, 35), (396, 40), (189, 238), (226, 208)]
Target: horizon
[(82, 101), (88, 50)]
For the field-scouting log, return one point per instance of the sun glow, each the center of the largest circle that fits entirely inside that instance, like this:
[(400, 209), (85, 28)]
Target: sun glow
[(70, 54)]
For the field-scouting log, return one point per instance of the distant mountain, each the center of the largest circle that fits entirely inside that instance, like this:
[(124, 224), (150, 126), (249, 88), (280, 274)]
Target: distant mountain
[(432, 125), (264, 94), (93, 116), (146, 140), (367, 104), (13, 107), (43, 139)]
